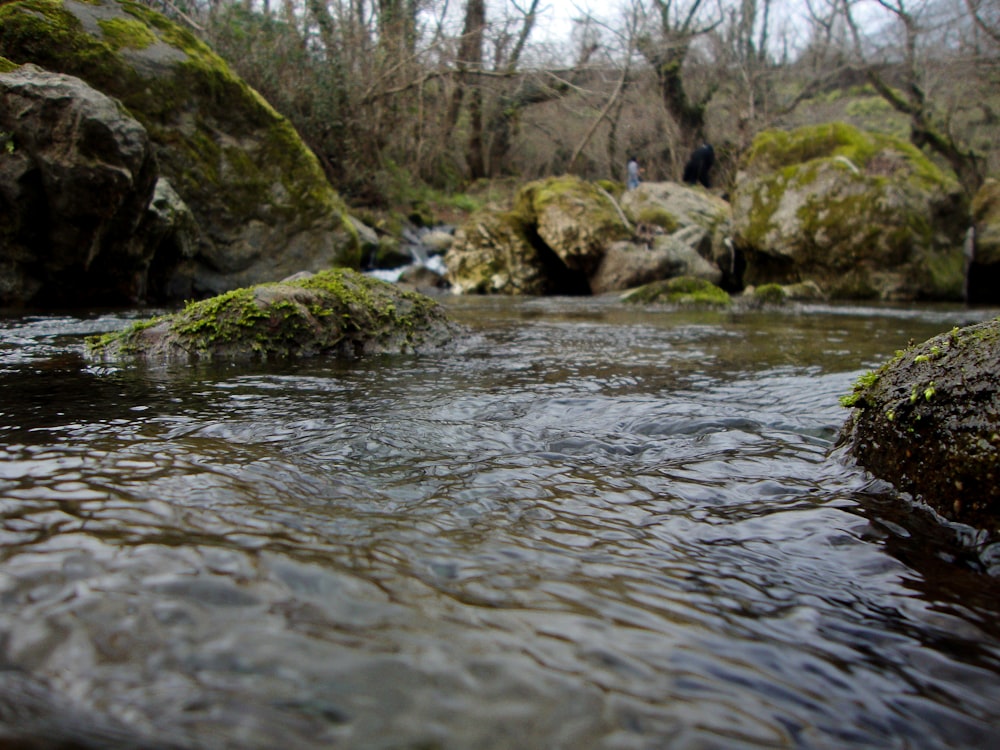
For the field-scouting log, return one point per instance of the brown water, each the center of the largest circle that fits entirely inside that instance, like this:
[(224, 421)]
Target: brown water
[(590, 527)]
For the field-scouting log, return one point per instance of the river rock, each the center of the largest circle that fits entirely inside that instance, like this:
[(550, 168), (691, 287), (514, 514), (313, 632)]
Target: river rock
[(334, 313), (567, 236), (262, 204), (76, 175), (863, 215), (694, 220), (493, 254), (928, 421), (983, 281), (682, 291), (631, 264), (576, 219)]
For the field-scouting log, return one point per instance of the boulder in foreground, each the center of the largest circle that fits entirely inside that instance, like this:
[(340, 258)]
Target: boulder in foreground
[(929, 423), (334, 313)]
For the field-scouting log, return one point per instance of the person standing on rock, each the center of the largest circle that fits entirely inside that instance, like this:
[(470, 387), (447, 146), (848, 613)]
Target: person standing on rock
[(698, 165), (632, 172)]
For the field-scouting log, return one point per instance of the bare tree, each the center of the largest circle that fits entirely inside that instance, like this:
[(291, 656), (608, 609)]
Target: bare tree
[(910, 98), (674, 25)]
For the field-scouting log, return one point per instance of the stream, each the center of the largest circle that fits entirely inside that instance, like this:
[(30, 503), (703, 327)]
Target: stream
[(588, 526)]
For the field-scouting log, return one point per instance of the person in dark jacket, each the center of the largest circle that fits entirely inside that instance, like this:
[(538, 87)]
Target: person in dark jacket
[(698, 165)]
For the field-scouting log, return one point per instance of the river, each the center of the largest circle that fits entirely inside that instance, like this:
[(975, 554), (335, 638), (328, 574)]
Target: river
[(589, 526)]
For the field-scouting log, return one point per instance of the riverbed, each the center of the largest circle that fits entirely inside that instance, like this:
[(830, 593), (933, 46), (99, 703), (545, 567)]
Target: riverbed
[(586, 526)]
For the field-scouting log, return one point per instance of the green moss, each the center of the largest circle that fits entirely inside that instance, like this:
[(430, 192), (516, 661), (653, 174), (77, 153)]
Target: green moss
[(6, 66), (778, 149), (986, 202), (942, 274), (125, 339), (121, 33), (45, 33), (614, 188), (686, 291), (771, 294), (659, 217), (862, 384), (218, 319)]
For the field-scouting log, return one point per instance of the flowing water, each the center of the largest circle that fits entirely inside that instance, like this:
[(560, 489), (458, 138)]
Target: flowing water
[(589, 526)]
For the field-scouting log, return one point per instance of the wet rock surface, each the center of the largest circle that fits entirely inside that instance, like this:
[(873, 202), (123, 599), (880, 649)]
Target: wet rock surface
[(929, 423), (333, 313)]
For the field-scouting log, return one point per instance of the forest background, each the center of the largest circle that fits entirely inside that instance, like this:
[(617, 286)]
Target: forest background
[(404, 99)]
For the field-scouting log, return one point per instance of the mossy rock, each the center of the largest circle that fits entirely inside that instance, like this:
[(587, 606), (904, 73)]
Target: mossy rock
[(335, 313), (770, 294), (864, 214), (684, 291), (259, 195), (6, 66), (928, 421), (493, 253), (576, 219)]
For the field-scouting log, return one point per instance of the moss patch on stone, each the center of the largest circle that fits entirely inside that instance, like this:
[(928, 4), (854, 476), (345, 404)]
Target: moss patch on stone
[(6, 66), (770, 294), (121, 33), (867, 152), (659, 217), (684, 291)]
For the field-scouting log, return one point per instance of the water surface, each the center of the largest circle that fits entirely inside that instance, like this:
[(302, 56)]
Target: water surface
[(589, 526)]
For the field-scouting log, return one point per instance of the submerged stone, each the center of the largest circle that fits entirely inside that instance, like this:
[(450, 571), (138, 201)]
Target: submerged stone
[(333, 313), (929, 422)]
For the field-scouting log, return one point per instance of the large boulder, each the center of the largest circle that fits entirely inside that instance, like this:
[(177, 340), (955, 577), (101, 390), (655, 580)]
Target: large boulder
[(983, 280), (259, 196), (76, 175), (694, 218), (630, 264), (550, 242), (928, 421), (680, 231), (494, 254), (576, 219), (862, 214), (564, 235), (333, 313)]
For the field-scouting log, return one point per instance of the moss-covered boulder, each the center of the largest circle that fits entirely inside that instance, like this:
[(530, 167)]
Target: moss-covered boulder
[(493, 253), (576, 219), (983, 284), (551, 240), (928, 421), (864, 215), (683, 291), (334, 313), (263, 206)]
